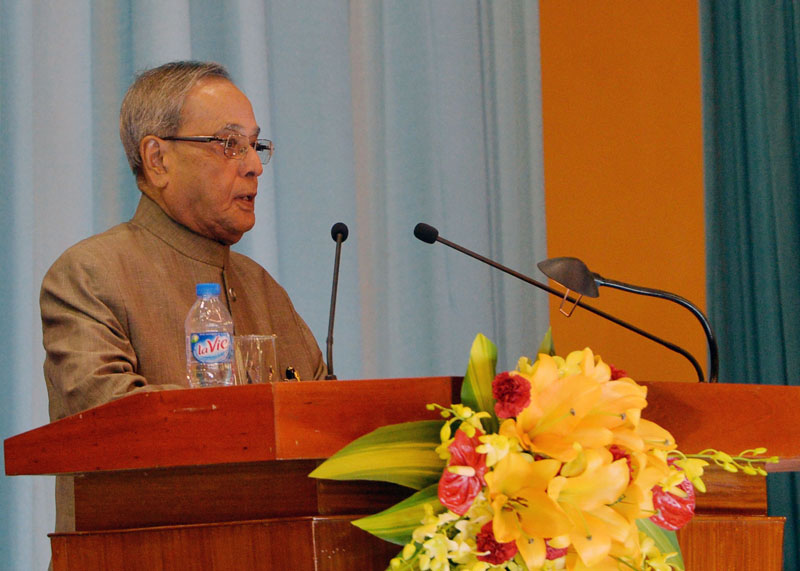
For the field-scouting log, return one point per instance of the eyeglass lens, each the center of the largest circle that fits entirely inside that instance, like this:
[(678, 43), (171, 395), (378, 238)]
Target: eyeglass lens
[(264, 149), (236, 146)]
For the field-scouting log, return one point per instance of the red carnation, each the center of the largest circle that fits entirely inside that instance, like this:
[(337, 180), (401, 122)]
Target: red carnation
[(497, 552), (617, 373), (457, 492), (673, 511), (617, 453), (512, 393), (553, 552)]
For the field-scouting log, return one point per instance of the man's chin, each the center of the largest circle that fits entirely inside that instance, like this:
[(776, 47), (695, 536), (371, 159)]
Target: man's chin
[(233, 235)]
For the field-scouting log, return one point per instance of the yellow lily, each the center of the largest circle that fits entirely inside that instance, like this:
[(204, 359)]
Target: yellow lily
[(585, 499), (574, 563), (654, 436), (517, 490), (637, 500), (628, 552), (548, 424), (617, 398), (533, 551), (585, 362), (583, 408)]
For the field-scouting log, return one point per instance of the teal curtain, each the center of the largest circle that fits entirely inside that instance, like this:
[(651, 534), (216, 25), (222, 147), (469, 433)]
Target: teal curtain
[(751, 84), (384, 114)]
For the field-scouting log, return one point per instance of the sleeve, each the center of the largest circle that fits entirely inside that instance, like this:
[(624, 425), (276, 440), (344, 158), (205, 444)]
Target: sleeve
[(304, 353), (297, 346), (317, 363), (89, 357)]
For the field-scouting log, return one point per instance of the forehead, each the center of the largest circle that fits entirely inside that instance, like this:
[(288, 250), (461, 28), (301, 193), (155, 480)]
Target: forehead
[(213, 105)]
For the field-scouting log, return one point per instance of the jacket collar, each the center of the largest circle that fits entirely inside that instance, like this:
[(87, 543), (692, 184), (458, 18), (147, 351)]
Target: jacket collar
[(152, 218)]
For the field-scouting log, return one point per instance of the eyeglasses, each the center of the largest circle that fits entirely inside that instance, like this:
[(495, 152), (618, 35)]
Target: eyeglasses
[(235, 146)]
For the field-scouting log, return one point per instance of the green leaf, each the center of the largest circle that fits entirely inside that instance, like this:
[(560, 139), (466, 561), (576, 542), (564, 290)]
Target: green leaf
[(397, 523), (547, 346), (476, 390), (403, 454), (666, 541)]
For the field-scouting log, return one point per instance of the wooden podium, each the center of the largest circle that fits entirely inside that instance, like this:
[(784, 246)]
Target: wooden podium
[(217, 478)]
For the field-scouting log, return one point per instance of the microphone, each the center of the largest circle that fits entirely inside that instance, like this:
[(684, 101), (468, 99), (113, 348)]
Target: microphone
[(339, 234), (426, 233), (429, 234)]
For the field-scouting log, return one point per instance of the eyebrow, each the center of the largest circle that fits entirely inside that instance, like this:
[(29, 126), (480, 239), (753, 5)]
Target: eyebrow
[(240, 129)]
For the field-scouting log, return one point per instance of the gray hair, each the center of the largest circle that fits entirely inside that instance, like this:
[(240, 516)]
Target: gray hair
[(153, 103)]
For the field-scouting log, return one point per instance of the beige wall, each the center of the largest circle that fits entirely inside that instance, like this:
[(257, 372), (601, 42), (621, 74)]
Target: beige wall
[(623, 171)]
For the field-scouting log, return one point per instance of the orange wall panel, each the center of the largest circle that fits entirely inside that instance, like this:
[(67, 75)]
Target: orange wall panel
[(621, 99)]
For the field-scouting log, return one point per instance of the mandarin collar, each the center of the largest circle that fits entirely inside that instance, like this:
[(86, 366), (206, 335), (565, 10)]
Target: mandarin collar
[(152, 218)]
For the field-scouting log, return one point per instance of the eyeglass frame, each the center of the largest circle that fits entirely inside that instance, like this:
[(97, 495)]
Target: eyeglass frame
[(229, 152)]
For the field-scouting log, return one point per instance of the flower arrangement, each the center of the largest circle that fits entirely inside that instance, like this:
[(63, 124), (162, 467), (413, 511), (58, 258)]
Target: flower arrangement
[(547, 467)]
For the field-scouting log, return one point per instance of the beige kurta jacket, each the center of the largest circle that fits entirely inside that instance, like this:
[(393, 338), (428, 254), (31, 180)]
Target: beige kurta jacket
[(113, 310)]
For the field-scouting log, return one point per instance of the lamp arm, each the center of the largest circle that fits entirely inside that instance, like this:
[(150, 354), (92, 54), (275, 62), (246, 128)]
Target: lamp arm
[(713, 353), (552, 291)]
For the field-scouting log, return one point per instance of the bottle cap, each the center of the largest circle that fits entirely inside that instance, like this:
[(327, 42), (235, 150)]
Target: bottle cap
[(207, 289)]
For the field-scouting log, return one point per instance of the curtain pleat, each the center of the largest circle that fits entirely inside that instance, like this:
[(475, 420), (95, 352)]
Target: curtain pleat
[(751, 78), (384, 114)]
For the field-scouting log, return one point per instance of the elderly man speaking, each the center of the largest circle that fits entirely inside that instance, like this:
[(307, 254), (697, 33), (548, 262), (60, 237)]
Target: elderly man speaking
[(113, 306)]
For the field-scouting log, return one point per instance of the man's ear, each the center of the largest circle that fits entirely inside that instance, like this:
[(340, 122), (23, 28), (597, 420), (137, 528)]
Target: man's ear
[(154, 165)]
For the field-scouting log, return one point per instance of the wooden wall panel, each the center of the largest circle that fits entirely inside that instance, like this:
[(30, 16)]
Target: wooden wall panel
[(621, 110), (733, 543), (307, 544)]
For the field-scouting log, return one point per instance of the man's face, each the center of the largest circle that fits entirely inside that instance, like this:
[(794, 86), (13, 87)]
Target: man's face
[(207, 191)]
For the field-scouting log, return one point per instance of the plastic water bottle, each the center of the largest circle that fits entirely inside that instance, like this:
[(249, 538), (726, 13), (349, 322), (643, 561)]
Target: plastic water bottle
[(209, 340)]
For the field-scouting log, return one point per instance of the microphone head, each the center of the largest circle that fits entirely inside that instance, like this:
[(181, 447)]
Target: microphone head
[(426, 233), (339, 229)]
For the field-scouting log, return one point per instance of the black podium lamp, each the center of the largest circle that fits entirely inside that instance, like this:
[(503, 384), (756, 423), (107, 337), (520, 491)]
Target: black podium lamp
[(573, 274)]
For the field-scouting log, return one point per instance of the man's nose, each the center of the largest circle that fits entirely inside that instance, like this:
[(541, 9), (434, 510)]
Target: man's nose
[(252, 164)]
